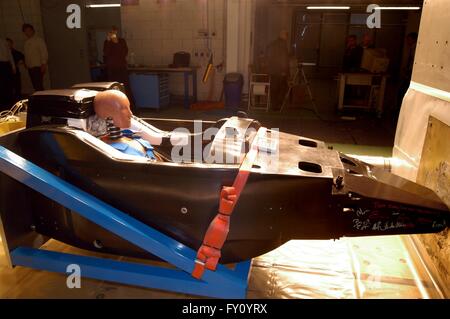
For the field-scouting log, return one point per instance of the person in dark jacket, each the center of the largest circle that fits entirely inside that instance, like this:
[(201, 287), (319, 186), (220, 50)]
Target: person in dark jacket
[(19, 59), (353, 55), (115, 51), (277, 59), (7, 70)]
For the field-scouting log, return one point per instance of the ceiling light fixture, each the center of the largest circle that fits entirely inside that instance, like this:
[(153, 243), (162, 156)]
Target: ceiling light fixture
[(328, 7), (397, 8), (106, 5)]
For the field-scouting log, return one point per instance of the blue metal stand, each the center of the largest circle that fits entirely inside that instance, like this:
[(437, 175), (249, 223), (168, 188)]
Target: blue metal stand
[(222, 283)]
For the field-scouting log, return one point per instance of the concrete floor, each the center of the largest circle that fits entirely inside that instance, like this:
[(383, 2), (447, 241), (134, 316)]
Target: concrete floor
[(355, 268), (298, 118)]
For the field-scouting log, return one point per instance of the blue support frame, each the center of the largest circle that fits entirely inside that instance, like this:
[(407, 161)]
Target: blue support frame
[(222, 283)]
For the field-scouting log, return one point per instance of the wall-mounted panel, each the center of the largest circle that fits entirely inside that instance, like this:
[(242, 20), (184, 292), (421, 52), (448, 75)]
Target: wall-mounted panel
[(432, 62)]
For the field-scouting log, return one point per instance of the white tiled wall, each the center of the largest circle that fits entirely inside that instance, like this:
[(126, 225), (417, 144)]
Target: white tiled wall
[(155, 30), (11, 22)]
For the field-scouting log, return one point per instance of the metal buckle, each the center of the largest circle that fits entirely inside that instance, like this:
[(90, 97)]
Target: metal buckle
[(197, 261)]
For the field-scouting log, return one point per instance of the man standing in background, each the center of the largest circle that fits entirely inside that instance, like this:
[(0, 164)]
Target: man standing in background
[(277, 58), (352, 55), (367, 41), (115, 51), (36, 57), (17, 81), (7, 70)]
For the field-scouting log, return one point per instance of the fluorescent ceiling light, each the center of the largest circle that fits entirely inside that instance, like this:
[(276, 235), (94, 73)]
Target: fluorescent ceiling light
[(327, 7), (397, 8), (106, 5)]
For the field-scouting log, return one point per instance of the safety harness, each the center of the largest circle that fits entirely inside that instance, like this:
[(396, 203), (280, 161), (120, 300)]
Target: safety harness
[(120, 140), (209, 252)]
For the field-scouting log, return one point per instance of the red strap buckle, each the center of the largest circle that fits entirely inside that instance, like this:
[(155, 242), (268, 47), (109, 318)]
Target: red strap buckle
[(207, 257), (209, 253), (228, 198)]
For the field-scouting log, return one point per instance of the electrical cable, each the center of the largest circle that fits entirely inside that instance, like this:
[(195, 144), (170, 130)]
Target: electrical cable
[(10, 115), (21, 11), (214, 17), (314, 106)]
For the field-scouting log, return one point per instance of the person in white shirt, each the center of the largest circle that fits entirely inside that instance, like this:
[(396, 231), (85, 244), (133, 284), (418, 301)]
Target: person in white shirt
[(36, 57), (7, 70)]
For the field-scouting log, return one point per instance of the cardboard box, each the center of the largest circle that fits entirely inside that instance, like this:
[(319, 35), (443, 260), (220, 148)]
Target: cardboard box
[(375, 60)]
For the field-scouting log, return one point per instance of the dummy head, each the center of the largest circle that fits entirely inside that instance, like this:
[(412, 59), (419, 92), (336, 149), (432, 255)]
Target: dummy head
[(113, 104)]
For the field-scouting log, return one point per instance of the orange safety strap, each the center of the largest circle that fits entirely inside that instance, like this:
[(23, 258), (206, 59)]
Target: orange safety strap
[(209, 252)]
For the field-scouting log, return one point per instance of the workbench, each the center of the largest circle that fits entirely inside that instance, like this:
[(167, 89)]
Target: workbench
[(376, 83), (187, 72)]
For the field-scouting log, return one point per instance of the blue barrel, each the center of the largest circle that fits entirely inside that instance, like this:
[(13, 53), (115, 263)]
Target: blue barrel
[(232, 86)]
